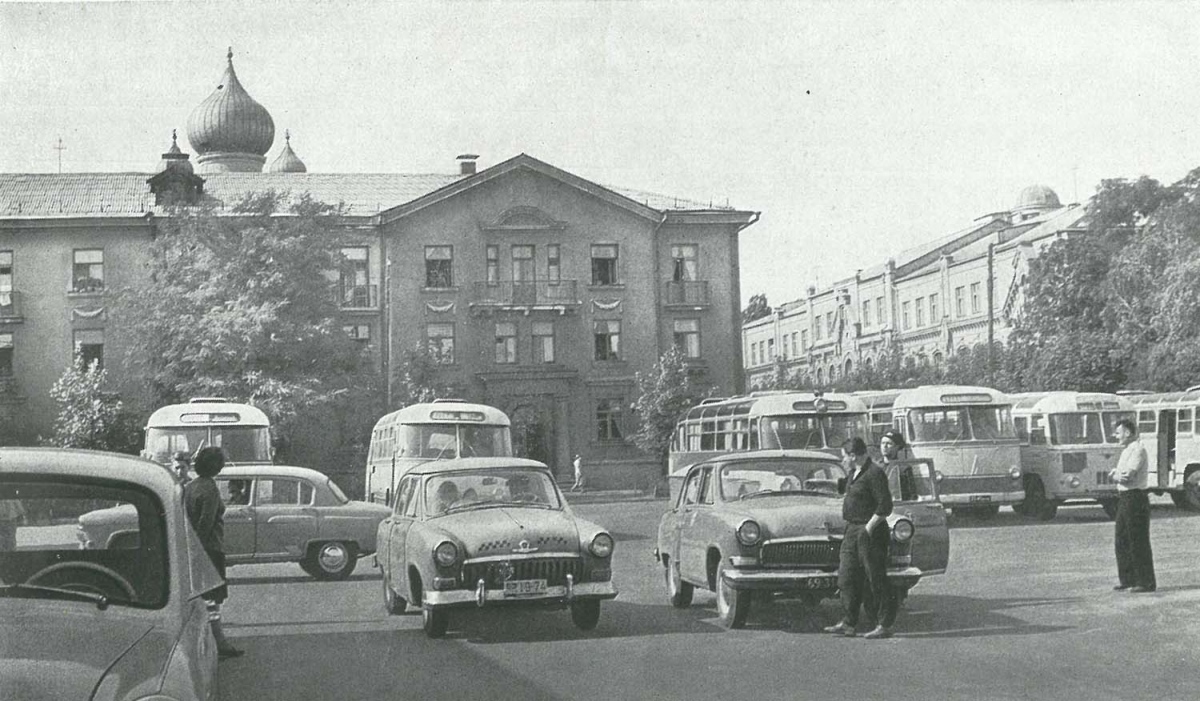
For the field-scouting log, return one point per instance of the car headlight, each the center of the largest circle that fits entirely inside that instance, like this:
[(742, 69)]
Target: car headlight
[(445, 554), (1014, 472), (749, 533), (602, 545), (938, 476), (902, 532), (1074, 483)]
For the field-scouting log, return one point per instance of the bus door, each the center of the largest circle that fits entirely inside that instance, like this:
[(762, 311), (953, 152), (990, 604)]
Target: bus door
[(1166, 446), (914, 494)]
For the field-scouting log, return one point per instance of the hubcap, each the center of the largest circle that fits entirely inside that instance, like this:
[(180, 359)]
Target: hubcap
[(332, 557)]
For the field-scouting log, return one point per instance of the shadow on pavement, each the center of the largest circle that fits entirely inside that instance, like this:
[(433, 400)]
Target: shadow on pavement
[(936, 616), (234, 580), (617, 620)]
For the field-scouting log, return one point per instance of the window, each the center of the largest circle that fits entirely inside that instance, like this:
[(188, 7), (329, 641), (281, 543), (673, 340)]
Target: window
[(87, 274), (358, 332), (829, 323), (879, 310), (817, 328), (553, 262), (543, 342), (493, 264), (1184, 422), (506, 342), (933, 309), (608, 339), (90, 345), (522, 263), (353, 277), (687, 337), (771, 349), (6, 280), (276, 491), (608, 420), (804, 340), (904, 314), (795, 347), (685, 261), (959, 311), (604, 264), (974, 297), (866, 313), (439, 266), (439, 343), (6, 355), (919, 305)]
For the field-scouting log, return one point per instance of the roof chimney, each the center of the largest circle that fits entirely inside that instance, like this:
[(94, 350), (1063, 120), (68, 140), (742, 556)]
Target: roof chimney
[(466, 163)]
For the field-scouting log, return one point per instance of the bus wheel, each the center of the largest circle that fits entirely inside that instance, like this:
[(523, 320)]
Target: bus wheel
[(1036, 505), (1189, 497), (1110, 507)]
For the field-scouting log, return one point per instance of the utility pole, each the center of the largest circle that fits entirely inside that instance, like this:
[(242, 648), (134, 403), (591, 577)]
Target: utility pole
[(60, 148)]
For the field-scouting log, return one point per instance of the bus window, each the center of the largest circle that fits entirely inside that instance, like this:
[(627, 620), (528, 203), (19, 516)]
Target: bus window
[(840, 428), (1075, 429), (938, 424), (1184, 421), (1037, 430), (1021, 427), (1147, 422), (1110, 421), (793, 433), (990, 422)]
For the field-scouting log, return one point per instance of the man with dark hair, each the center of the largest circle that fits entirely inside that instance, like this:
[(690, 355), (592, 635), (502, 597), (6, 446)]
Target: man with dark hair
[(862, 568), (1135, 560)]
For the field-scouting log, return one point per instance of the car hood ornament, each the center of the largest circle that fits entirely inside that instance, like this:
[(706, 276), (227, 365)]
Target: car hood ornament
[(524, 548)]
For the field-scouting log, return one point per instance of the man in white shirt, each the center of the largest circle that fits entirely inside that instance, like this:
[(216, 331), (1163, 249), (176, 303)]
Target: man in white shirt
[(1135, 560)]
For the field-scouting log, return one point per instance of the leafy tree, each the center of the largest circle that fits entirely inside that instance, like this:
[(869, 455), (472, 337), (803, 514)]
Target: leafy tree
[(665, 393), (416, 378), (89, 416), (756, 309)]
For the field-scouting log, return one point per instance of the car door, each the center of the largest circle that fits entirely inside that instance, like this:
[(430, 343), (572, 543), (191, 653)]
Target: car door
[(284, 517), (914, 494), (395, 532), (692, 564), (237, 494)]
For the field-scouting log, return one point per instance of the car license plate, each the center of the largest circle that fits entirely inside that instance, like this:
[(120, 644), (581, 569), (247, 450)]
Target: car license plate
[(821, 582), (525, 587), (981, 497)]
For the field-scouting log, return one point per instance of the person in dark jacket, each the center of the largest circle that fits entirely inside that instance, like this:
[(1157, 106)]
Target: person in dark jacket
[(206, 510), (862, 568)]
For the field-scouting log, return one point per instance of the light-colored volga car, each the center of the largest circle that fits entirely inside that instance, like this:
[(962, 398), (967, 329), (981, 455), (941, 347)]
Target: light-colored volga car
[(277, 513), (120, 622), (770, 522), (484, 532)]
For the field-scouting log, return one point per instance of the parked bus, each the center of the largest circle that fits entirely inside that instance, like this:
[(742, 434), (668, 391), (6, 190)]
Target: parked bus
[(242, 431), (1068, 448), (1169, 428), (443, 429), (764, 421), (968, 434)]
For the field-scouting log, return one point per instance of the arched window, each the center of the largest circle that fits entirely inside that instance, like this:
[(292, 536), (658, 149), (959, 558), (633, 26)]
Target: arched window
[(849, 367)]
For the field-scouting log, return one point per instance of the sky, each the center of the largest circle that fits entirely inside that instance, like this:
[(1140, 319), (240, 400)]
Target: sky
[(856, 129)]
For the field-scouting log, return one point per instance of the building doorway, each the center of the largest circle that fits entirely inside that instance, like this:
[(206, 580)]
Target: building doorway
[(533, 432)]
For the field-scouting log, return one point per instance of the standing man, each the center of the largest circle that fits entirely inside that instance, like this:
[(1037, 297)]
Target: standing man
[(1135, 561), (578, 465), (890, 445), (182, 464), (864, 554)]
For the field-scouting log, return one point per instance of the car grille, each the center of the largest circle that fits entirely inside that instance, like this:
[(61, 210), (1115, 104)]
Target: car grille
[(553, 570), (821, 554)]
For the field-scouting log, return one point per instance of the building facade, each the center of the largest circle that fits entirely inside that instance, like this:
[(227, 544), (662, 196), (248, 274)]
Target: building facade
[(929, 302), (536, 291)]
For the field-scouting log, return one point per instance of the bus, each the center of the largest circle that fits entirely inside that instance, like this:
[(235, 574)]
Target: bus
[(242, 431), (1068, 448), (968, 434), (1169, 429), (773, 420), (443, 429)]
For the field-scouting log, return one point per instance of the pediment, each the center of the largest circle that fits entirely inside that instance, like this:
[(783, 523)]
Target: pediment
[(525, 218)]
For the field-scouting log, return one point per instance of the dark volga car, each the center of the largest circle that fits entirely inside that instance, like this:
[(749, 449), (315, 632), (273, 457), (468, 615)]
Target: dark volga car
[(122, 621), (771, 522), (483, 532)]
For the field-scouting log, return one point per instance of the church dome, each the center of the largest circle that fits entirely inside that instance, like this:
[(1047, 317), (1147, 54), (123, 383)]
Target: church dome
[(229, 121), (1037, 197), (287, 161)]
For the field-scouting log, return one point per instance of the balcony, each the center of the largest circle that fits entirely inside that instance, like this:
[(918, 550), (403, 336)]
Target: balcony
[(691, 294), (558, 296), (10, 307), (357, 296)]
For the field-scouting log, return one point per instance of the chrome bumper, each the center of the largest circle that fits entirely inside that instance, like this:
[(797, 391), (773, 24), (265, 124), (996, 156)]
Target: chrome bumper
[(982, 499), (481, 596), (805, 580)]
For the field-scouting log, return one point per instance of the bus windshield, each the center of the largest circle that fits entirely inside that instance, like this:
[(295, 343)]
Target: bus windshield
[(241, 444), (810, 432), (1076, 429), (449, 441), (980, 423)]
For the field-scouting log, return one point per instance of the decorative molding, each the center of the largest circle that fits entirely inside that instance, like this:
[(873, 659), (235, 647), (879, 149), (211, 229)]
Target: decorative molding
[(97, 313), (607, 305), (440, 306)]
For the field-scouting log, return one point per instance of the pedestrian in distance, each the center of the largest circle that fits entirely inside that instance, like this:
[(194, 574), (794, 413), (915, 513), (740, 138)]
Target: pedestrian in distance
[(862, 567), (206, 511), (578, 465), (181, 463), (1135, 560)]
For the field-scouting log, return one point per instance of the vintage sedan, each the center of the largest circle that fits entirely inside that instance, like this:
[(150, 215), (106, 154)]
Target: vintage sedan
[(277, 513), (122, 621), (484, 532), (770, 523)]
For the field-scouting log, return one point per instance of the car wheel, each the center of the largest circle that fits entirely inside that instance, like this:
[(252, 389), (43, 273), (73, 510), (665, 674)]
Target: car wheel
[(585, 614), (1110, 507), (435, 621), (333, 560), (733, 606), (393, 603), (679, 591)]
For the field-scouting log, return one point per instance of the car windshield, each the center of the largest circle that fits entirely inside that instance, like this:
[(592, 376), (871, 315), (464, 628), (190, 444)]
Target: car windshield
[(82, 535), (490, 487), (242, 444), (742, 479)]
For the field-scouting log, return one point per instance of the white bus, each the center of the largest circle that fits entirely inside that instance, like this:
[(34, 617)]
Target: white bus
[(764, 421), (1067, 448), (444, 429), (1169, 428), (242, 431), (968, 434)]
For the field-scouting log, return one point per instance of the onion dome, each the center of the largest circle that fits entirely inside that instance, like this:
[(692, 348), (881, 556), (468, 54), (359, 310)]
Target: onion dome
[(287, 161), (174, 159), (230, 131), (1037, 197)]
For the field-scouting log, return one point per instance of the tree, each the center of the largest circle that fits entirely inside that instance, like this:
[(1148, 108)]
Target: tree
[(240, 305), (665, 393), (416, 378), (89, 416), (756, 309)]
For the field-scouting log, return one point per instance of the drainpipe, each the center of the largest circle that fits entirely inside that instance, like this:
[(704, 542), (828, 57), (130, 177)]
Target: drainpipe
[(385, 325), (991, 334)]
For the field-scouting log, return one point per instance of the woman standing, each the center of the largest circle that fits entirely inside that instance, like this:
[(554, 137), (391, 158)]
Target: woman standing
[(206, 512)]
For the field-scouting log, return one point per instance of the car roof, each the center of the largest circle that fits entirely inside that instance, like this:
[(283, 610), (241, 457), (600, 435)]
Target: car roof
[(88, 463), (260, 470), (770, 454), (461, 464)]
